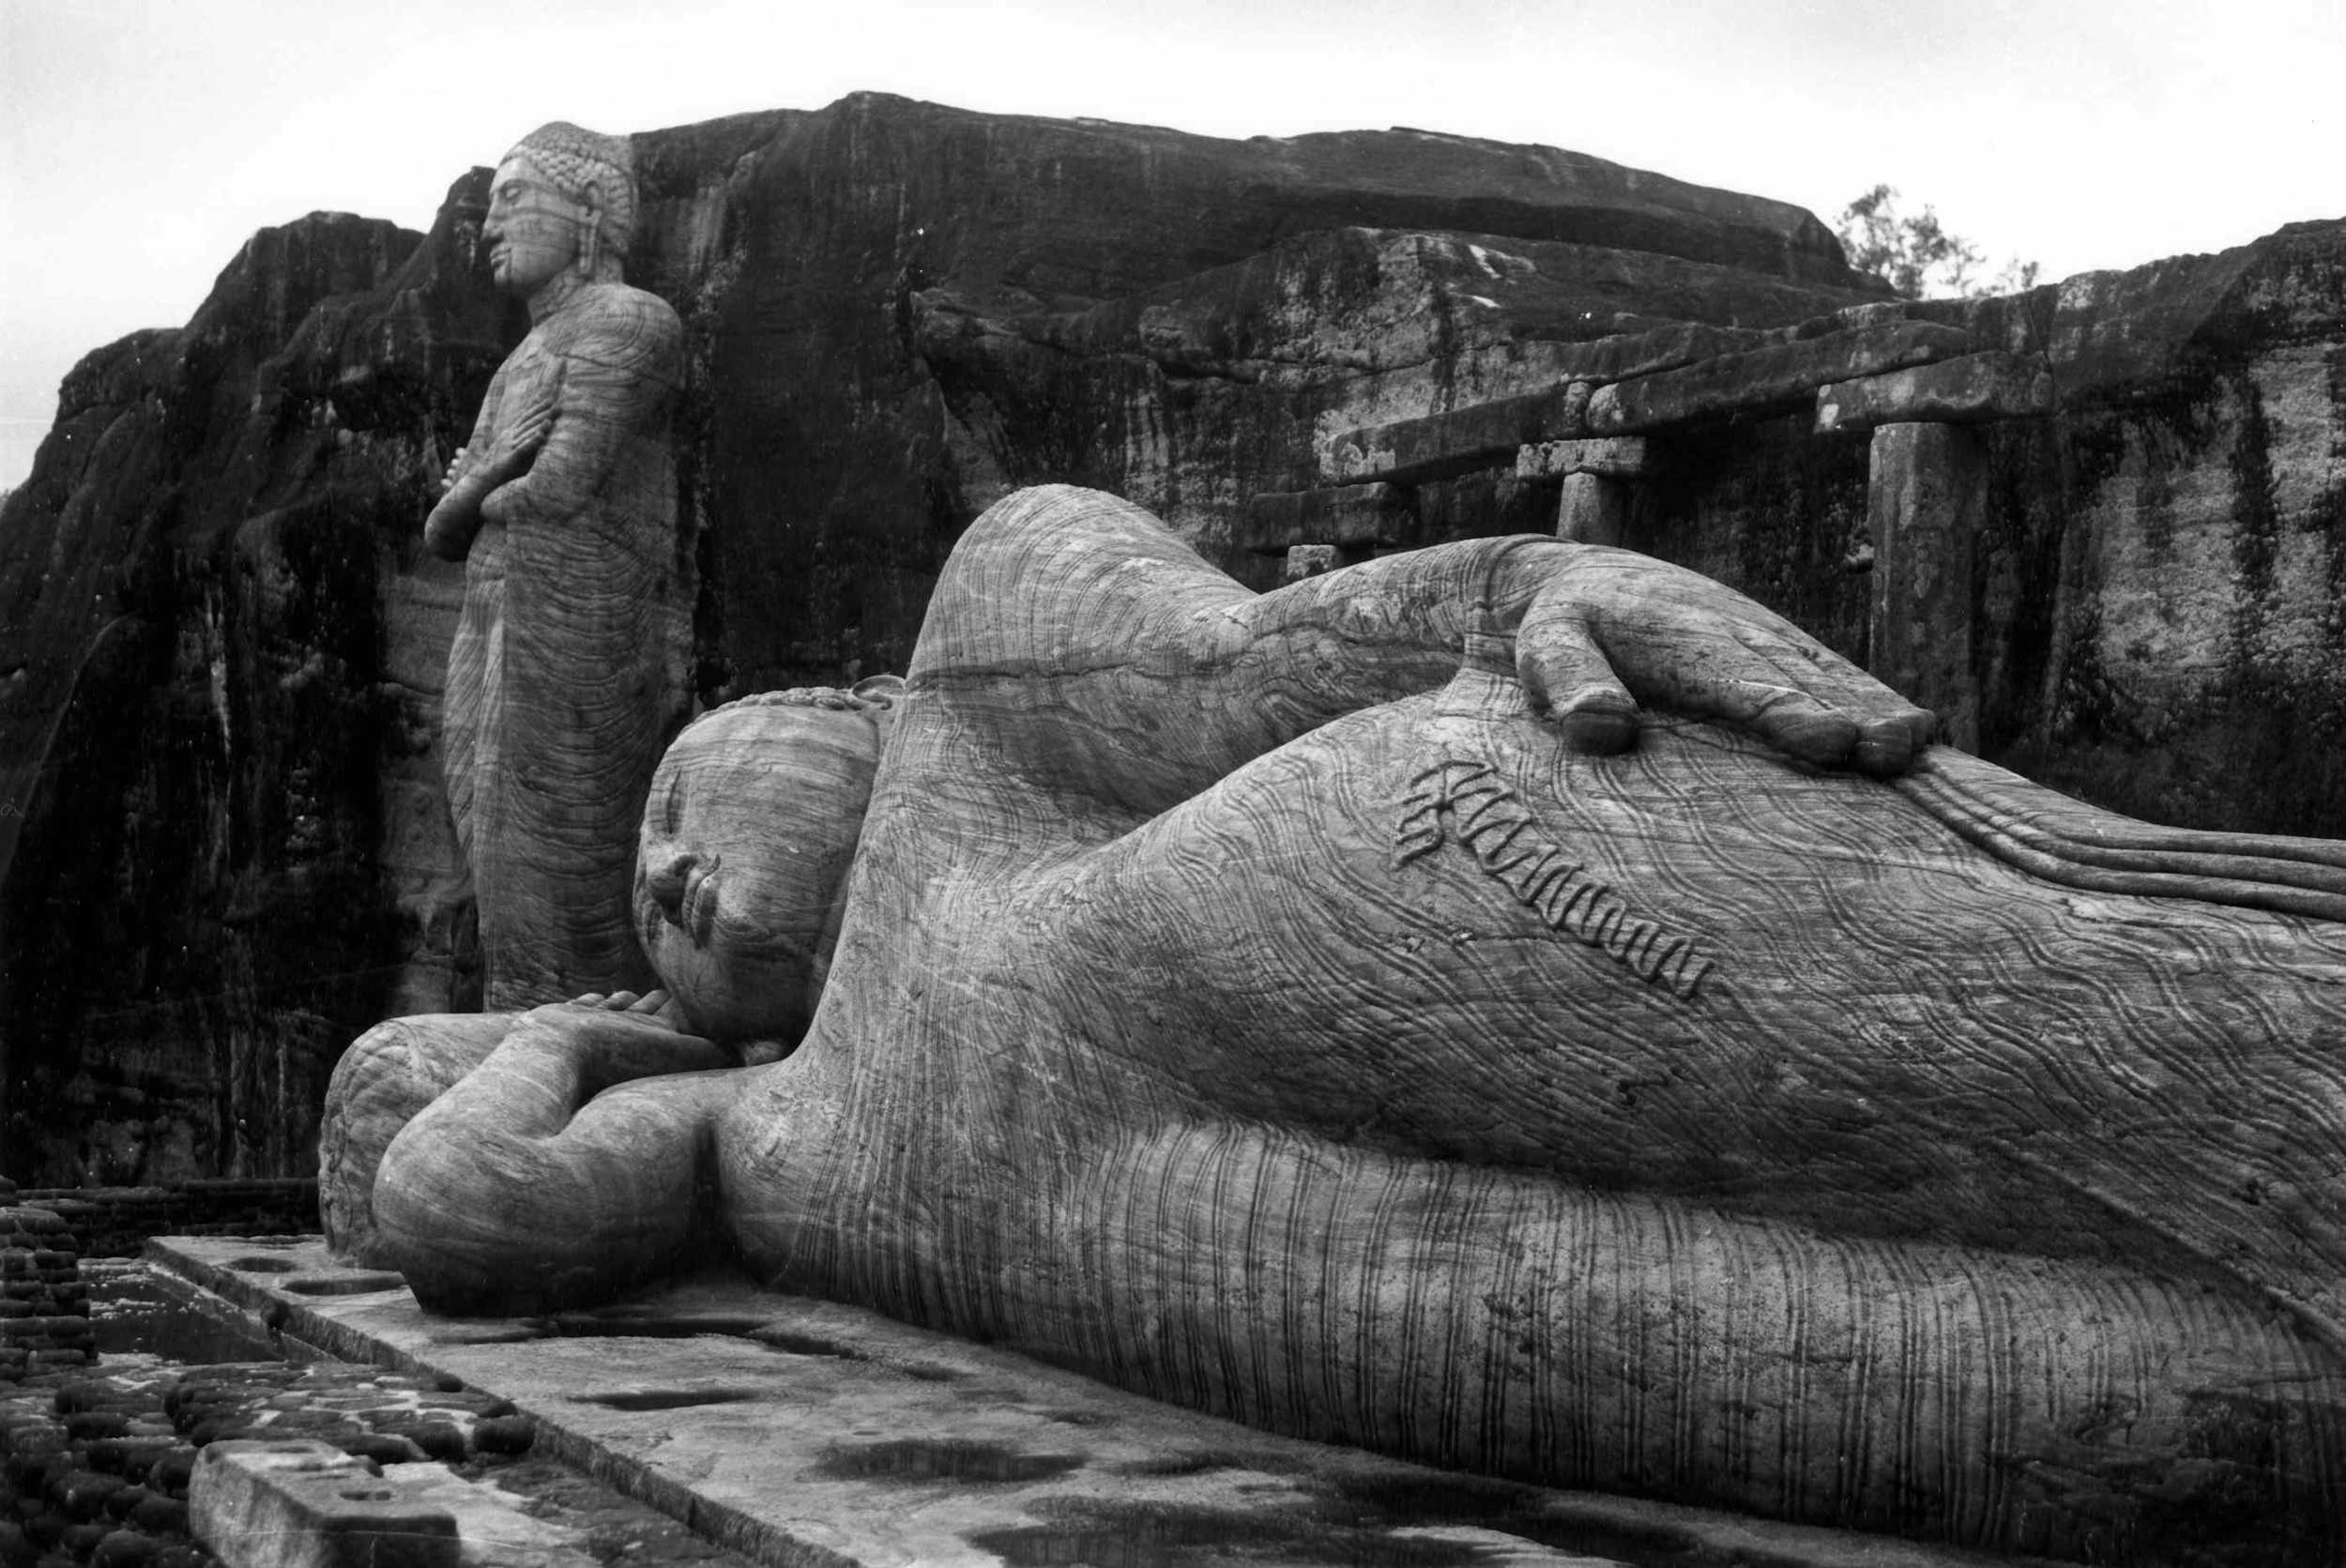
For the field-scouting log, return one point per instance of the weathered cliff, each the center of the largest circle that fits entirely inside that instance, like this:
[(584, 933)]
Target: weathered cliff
[(225, 827), (224, 847)]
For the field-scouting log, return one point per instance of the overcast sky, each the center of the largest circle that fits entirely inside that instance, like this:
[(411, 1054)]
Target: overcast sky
[(140, 143)]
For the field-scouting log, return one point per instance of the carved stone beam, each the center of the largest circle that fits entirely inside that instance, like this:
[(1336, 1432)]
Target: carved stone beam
[(1442, 446), (1351, 518), (1973, 390), (1619, 457), (1767, 380), (1594, 508)]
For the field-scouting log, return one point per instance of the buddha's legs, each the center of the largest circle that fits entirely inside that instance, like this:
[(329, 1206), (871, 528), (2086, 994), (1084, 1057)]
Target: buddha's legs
[(1475, 1318)]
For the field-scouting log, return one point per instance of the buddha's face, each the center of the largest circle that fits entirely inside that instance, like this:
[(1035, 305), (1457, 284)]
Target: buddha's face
[(532, 229), (742, 867)]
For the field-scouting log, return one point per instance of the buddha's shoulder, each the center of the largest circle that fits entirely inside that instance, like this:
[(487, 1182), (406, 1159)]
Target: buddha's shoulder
[(617, 311)]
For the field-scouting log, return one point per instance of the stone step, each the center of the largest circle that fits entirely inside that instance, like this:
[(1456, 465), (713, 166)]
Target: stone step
[(794, 1430), (300, 1502)]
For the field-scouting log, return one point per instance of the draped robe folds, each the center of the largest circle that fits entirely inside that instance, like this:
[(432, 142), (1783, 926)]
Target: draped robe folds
[(566, 676), (1243, 1000), (1690, 1122)]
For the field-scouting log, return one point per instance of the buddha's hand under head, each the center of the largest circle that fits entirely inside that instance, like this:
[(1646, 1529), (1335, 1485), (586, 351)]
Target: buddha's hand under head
[(619, 1038), (1613, 629)]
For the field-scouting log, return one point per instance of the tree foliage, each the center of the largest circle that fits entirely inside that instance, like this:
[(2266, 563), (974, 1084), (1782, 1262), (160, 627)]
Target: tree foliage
[(1918, 254)]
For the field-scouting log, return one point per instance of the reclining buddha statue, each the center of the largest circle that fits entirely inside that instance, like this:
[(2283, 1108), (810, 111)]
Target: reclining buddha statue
[(1517, 1005)]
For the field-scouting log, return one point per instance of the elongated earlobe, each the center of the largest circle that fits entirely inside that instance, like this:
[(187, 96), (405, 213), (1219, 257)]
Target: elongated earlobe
[(590, 242)]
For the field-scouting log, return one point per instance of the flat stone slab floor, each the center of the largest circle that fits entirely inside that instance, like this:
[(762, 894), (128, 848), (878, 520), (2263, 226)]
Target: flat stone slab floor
[(797, 1432)]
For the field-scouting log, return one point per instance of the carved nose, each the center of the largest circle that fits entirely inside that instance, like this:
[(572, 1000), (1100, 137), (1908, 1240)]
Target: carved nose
[(665, 879)]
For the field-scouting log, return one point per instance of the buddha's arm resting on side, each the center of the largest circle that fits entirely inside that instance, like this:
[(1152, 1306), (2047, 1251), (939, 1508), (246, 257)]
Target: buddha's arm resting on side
[(564, 1167), (1115, 617)]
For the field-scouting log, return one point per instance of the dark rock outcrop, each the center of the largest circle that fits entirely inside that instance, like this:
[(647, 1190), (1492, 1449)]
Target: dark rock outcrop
[(209, 596)]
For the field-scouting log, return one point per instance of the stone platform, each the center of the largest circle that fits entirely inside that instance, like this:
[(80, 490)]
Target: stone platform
[(800, 1432)]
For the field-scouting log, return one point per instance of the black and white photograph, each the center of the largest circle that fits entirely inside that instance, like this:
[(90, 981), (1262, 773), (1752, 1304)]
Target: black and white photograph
[(1424, 785)]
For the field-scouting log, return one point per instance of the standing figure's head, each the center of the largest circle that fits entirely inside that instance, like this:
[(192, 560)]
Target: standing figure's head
[(562, 203), (741, 866)]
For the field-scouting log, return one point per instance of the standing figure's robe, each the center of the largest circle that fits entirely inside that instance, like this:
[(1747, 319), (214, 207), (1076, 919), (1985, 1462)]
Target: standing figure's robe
[(566, 677)]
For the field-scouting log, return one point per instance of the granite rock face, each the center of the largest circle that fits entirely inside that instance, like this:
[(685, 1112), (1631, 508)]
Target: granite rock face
[(2155, 603), (2180, 536), (226, 843)]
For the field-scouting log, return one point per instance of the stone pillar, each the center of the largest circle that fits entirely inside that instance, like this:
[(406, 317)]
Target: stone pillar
[(1598, 478), (1593, 509), (1926, 500), (1926, 504)]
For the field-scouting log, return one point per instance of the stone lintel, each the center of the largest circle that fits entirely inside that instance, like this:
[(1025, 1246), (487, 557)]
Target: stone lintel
[(1442, 446), (1599, 360), (1622, 457), (1767, 380), (1350, 514), (1972, 389)]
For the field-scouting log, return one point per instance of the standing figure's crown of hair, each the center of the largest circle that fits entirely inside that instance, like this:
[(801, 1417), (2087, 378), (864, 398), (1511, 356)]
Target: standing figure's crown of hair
[(575, 158)]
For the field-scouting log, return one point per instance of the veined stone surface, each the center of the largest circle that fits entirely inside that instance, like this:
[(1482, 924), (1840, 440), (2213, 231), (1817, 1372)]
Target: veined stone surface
[(1241, 998), (567, 668)]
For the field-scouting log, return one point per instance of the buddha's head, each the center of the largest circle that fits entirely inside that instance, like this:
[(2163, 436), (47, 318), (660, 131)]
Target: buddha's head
[(742, 867), (562, 203)]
